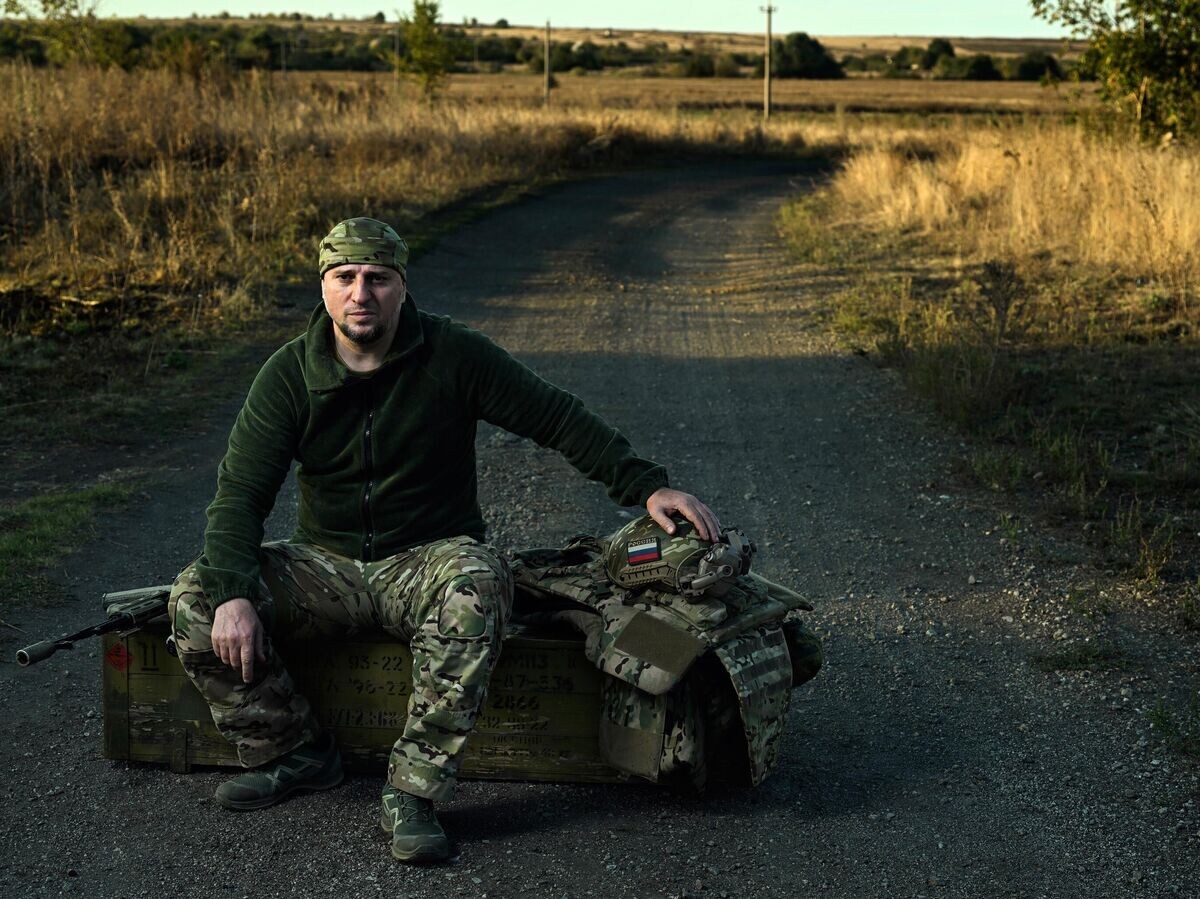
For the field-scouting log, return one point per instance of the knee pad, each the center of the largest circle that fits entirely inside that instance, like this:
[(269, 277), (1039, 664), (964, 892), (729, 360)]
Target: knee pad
[(471, 606)]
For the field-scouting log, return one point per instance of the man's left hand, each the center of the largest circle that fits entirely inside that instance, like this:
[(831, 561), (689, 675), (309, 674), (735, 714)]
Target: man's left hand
[(664, 501)]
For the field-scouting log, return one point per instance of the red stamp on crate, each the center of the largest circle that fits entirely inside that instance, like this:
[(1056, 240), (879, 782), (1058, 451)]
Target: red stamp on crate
[(118, 656)]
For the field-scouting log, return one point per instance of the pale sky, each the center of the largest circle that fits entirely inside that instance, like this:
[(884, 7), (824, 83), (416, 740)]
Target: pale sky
[(951, 18)]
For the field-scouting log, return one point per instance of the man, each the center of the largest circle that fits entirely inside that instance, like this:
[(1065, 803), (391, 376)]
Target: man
[(378, 403)]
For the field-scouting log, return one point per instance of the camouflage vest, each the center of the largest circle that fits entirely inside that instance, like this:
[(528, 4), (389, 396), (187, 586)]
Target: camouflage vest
[(688, 675)]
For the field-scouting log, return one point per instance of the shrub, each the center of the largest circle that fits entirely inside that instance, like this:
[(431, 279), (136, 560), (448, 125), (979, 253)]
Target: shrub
[(726, 66), (801, 56), (1037, 65), (938, 47), (967, 68)]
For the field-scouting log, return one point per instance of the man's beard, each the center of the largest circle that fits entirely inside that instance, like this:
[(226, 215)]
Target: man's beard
[(363, 338)]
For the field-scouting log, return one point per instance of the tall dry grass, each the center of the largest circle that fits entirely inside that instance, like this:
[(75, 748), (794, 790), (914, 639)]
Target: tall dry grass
[(115, 183), (1115, 206), (1038, 285)]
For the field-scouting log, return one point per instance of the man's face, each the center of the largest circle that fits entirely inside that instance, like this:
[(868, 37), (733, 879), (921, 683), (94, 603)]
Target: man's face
[(363, 301)]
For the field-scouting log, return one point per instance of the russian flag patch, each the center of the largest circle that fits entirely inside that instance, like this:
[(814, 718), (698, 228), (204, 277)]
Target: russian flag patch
[(641, 551)]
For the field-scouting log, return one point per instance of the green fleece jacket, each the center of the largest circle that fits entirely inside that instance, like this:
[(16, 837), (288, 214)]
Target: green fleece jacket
[(387, 460)]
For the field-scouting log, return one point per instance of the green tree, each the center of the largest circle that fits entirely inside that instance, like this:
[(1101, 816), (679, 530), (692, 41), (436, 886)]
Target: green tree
[(908, 59), (801, 56), (1145, 54), (66, 27), (428, 55), (1036, 65), (980, 67), (938, 47), (726, 66)]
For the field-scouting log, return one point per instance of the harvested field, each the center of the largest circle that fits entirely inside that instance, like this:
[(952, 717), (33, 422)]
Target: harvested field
[(612, 91)]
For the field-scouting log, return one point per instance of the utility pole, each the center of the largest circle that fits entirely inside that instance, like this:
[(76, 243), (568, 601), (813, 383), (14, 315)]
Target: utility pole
[(767, 64), (396, 50), (546, 68)]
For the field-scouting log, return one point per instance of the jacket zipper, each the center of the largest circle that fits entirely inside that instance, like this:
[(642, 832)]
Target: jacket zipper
[(368, 474)]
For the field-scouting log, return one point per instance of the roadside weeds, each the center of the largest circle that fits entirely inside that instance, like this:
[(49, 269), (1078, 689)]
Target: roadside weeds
[(37, 530), (1071, 388)]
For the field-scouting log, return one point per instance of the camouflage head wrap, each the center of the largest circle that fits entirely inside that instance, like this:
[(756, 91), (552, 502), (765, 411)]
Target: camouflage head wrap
[(364, 241)]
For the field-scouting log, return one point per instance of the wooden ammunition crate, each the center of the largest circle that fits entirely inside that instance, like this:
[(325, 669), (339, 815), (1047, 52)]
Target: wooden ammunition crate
[(540, 723)]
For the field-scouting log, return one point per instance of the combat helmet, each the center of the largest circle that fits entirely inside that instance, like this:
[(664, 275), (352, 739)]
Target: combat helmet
[(642, 554)]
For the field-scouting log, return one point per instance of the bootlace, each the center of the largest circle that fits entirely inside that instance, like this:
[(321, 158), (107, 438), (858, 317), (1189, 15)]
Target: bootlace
[(412, 808)]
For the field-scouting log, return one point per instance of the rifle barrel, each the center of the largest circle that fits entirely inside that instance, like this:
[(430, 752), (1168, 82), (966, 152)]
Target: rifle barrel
[(38, 651), (140, 606)]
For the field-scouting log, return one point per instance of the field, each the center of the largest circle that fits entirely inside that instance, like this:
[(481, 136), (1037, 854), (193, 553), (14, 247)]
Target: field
[(788, 95), (724, 42), (933, 346), (183, 208)]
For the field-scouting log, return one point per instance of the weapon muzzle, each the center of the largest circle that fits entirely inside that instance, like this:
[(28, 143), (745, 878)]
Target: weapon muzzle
[(36, 652)]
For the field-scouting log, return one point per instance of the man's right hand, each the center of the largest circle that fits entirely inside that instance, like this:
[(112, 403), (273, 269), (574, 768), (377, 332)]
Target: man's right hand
[(237, 636)]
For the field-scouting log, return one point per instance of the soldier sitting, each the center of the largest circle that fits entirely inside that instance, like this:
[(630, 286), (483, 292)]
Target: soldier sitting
[(378, 403)]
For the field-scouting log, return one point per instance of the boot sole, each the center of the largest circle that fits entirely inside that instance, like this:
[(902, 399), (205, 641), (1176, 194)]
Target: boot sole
[(435, 851), (267, 801)]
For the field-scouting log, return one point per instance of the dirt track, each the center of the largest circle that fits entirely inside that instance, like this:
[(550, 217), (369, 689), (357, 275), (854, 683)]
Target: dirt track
[(929, 758)]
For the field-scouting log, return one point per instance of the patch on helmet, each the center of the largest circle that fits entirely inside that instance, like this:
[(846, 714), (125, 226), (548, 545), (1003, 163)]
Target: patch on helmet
[(639, 551)]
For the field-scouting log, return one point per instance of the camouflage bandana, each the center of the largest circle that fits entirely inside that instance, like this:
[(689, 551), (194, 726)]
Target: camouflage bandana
[(364, 241)]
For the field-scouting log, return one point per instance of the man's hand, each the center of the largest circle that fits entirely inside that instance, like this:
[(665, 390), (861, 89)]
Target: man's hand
[(237, 636), (664, 501)]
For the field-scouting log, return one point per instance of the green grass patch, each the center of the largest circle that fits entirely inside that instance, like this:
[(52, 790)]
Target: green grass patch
[(36, 531), (1082, 657), (999, 467), (1179, 728), (805, 225)]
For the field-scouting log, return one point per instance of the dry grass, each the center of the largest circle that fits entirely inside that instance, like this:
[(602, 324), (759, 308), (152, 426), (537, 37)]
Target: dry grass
[(203, 194), (1110, 205), (617, 91), (1038, 284), (155, 189), (159, 192)]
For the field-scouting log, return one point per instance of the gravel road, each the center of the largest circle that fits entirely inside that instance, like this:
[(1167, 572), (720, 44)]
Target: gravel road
[(929, 758)]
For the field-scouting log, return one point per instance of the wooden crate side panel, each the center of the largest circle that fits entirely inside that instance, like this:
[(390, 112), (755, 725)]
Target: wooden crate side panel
[(540, 723)]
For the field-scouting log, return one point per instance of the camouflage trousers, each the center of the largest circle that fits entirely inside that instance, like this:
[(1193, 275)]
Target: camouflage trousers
[(449, 600)]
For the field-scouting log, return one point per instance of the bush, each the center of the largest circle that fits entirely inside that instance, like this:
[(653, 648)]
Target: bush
[(1036, 65), (586, 56), (698, 65), (908, 58), (938, 48), (967, 68), (18, 42), (726, 66), (981, 68), (800, 56)]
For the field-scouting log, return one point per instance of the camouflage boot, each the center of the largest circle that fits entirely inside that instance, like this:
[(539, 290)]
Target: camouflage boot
[(416, 834), (313, 766)]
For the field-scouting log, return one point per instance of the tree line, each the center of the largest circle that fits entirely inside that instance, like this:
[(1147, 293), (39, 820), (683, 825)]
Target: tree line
[(296, 43)]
